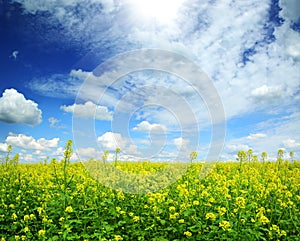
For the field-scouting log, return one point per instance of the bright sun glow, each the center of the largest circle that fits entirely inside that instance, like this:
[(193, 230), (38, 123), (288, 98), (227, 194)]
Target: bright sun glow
[(163, 11)]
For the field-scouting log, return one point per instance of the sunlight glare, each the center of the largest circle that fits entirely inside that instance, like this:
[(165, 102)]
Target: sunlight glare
[(163, 11)]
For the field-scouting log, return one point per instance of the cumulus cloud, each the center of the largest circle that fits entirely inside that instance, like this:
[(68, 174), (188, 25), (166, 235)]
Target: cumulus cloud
[(146, 126), (267, 92), (291, 144), (236, 147), (181, 143), (14, 108), (89, 152), (110, 141), (89, 110), (29, 142), (3, 147)]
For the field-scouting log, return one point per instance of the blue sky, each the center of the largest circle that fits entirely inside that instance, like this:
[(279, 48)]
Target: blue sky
[(60, 66)]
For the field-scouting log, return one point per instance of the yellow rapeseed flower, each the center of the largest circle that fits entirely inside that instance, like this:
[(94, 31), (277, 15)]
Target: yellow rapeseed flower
[(188, 233), (282, 233), (69, 209), (263, 219), (172, 209), (221, 210), (181, 220), (136, 218), (14, 216), (224, 225), (210, 216), (42, 232), (240, 202), (118, 237), (40, 210)]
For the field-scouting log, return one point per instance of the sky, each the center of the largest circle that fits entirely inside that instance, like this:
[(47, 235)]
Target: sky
[(158, 79)]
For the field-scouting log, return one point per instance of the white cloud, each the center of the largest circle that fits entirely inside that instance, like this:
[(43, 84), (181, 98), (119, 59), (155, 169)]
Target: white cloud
[(28, 142), (15, 54), (181, 143), (267, 92), (14, 108), (110, 141), (53, 121), (89, 110), (146, 126), (89, 152), (256, 136), (3, 147), (56, 85), (291, 144), (233, 148)]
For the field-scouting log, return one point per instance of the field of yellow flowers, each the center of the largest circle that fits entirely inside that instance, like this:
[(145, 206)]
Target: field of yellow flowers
[(246, 200)]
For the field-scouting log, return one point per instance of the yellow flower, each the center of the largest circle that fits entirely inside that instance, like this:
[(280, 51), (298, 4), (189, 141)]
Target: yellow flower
[(40, 210), (181, 220), (32, 216), (282, 233), (224, 225), (172, 209), (196, 203), (26, 218), (118, 237), (69, 209), (118, 209), (188, 233), (263, 219), (23, 237), (26, 229), (274, 227), (240, 202), (221, 210), (136, 218), (2, 239), (130, 214), (42, 232), (17, 237), (12, 206), (61, 219), (14, 216), (174, 216), (210, 216)]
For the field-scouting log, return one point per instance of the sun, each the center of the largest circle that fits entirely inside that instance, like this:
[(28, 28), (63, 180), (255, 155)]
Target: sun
[(162, 11)]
